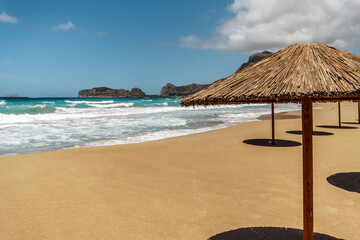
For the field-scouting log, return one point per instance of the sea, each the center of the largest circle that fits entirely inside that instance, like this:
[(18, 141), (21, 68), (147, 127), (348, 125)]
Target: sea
[(29, 125)]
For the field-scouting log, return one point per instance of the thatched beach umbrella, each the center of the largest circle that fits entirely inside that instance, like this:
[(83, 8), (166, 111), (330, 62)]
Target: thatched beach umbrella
[(300, 73)]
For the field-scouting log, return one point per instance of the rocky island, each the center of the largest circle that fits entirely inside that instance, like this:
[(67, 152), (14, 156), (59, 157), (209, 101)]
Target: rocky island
[(169, 90), (14, 95), (104, 92)]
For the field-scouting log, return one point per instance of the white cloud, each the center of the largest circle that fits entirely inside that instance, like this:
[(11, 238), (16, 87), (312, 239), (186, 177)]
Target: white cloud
[(274, 24), (64, 27), (4, 17)]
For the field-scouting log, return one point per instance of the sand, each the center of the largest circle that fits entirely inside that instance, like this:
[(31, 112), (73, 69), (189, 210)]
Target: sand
[(190, 187)]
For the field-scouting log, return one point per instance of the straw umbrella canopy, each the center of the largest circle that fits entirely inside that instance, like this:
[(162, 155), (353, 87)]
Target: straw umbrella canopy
[(300, 73)]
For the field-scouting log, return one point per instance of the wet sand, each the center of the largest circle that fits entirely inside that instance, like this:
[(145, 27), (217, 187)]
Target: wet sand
[(190, 187)]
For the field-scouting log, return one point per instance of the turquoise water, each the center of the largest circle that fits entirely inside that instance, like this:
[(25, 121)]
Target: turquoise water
[(29, 125)]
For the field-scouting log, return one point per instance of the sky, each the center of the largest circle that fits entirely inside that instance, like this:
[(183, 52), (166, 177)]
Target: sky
[(52, 48)]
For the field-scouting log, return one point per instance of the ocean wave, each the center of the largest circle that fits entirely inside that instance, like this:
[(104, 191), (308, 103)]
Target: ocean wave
[(114, 105), (26, 109), (70, 114), (66, 123), (89, 102), (35, 106), (241, 117), (42, 113), (2, 102)]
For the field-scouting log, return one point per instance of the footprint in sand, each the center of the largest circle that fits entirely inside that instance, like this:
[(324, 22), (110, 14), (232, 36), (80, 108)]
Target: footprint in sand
[(336, 222), (350, 202), (332, 210), (263, 196)]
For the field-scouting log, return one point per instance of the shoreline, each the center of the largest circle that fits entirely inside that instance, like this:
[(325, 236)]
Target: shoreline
[(115, 142), (189, 187)]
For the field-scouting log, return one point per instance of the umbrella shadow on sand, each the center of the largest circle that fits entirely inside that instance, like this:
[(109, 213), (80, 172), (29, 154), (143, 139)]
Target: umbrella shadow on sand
[(268, 142), (349, 181), (267, 233), (336, 126), (315, 133)]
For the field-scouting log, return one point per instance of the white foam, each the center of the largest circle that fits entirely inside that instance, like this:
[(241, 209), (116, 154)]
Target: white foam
[(9, 154), (115, 105), (115, 122), (240, 117), (100, 104), (37, 106), (62, 113), (2, 102), (89, 102), (147, 137)]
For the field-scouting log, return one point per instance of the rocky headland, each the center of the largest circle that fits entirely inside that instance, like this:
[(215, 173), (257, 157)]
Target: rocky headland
[(256, 57), (169, 90)]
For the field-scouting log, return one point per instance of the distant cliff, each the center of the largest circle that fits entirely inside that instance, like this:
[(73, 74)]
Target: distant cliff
[(14, 95), (104, 92), (256, 57), (170, 90)]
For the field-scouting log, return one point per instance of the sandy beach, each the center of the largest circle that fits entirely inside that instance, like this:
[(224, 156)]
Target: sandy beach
[(190, 187)]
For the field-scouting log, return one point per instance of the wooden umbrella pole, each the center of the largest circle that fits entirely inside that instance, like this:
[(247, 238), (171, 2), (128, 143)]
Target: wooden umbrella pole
[(359, 112), (307, 129), (272, 124), (339, 114)]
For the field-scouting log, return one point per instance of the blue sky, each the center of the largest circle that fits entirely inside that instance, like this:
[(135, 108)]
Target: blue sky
[(56, 48), (118, 44)]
